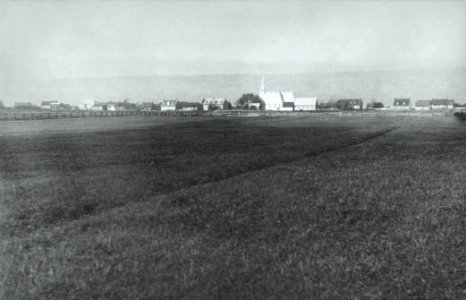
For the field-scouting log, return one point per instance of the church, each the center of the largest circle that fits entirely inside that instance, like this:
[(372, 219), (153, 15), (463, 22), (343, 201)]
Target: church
[(285, 101)]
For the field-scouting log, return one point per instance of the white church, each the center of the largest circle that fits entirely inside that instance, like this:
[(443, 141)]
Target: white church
[(285, 101)]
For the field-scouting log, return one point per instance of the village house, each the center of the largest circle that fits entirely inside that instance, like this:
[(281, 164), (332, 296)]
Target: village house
[(215, 104), (86, 104), (305, 103), (147, 106), (423, 105), (168, 105), (402, 103), (350, 104), (115, 106), (188, 106), (438, 104), (99, 106), (49, 104)]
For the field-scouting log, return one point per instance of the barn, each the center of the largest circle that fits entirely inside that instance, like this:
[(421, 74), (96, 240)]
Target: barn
[(438, 104), (423, 105), (305, 103)]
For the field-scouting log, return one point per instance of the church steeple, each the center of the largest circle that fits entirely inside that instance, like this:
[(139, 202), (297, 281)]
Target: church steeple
[(262, 90)]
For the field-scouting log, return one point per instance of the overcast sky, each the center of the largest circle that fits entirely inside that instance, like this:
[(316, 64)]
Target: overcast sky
[(96, 39)]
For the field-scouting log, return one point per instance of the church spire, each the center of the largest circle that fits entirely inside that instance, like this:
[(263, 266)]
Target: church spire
[(262, 91)]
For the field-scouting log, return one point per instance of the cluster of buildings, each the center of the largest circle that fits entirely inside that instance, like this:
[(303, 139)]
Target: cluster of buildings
[(423, 105), (285, 101), (265, 100)]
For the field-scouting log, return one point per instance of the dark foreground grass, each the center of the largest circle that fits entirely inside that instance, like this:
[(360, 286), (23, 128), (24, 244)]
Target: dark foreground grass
[(383, 218)]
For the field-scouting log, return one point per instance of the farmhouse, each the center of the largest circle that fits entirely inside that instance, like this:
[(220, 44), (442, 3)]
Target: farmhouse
[(423, 105), (215, 104), (113, 106), (305, 103), (49, 104), (350, 104), (254, 105), (99, 106), (188, 106), (147, 106), (442, 104), (402, 103), (86, 105), (168, 105)]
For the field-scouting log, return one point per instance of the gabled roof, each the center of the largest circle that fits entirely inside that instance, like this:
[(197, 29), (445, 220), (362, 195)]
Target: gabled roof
[(287, 96), (423, 103), (214, 101), (271, 98), (401, 101), (99, 103), (352, 101), (46, 103), (442, 102), (306, 101), (23, 103), (169, 102)]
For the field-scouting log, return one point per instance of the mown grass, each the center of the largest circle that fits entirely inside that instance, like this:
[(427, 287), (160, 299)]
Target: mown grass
[(237, 210)]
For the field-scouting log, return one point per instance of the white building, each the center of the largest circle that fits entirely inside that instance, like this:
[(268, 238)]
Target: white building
[(285, 101), (305, 103), (276, 100), (86, 105), (442, 104), (402, 103), (215, 103), (168, 105), (49, 104), (423, 105)]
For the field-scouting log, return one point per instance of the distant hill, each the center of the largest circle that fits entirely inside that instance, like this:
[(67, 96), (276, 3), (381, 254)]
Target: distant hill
[(381, 86)]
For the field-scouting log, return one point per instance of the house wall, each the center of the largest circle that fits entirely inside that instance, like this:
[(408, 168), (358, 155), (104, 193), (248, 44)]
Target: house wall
[(401, 107), (167, 108), (272, 106), (422, 108), (305, 107), (286, 108)]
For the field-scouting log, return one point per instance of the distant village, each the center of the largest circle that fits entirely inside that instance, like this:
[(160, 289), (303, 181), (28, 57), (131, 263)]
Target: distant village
[(264, 100)]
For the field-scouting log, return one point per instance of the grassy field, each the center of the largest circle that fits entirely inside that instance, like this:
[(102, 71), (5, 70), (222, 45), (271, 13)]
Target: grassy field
[(324, 207)]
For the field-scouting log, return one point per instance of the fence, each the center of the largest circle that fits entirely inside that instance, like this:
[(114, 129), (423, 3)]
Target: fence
[(226, 113), (86, 114)]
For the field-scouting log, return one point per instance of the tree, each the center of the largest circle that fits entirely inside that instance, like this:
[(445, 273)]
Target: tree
[(1, 104), (212, 107), (262, 106), (245, 99), (327, 105)]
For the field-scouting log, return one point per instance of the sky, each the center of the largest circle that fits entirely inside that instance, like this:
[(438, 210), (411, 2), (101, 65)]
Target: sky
[(72, 39)]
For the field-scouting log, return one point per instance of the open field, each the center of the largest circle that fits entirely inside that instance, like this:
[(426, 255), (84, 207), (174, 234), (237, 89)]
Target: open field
[(144, 208)]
